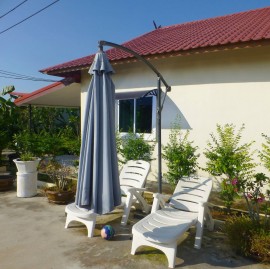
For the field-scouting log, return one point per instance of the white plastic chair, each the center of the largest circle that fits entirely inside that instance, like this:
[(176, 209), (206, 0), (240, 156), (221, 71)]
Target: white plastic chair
[(132, 181), (88, 218), (163, 227)]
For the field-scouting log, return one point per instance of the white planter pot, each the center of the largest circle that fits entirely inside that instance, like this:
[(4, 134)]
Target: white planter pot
[(26, 184), (27, 166)]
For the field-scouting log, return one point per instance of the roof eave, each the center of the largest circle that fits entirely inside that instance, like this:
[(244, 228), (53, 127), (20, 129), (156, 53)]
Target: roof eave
[(75, 70)]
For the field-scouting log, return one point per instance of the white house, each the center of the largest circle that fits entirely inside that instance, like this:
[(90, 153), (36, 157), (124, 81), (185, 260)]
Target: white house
[(218, 68)]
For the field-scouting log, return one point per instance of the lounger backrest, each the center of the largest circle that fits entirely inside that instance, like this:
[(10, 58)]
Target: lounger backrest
[(134, 174), (189, 192)]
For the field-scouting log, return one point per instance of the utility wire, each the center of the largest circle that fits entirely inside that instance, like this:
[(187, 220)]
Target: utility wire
[(32, 79), (2, 16), (7, 74), (28, 17)]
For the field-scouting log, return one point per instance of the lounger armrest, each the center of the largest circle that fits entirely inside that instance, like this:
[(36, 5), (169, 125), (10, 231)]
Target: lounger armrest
[(133, 189), (159, 201), (203, 203)]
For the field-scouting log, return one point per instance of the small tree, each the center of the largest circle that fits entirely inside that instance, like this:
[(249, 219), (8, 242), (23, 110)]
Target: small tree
[(265, 153), (179, 154), (7, 118), (265, 158), (133, 147), (230, 160)]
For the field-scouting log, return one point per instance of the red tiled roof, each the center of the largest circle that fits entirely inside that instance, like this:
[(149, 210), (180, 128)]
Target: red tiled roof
[(244, 27), (52, 87)]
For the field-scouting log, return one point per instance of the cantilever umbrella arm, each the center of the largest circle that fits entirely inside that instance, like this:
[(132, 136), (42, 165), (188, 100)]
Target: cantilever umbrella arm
[(139, 57), (159, 105)]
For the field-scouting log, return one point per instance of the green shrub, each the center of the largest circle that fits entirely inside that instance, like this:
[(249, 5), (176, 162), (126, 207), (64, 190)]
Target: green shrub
[(239, 231), (46, 143), (8, 118), (265, 153), (133, 147), (26, 142), (248, 238), (260, 247), (179, 154), (230, 160)]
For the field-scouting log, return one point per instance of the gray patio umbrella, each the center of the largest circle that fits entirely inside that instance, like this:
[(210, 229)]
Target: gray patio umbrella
[(98, 186)]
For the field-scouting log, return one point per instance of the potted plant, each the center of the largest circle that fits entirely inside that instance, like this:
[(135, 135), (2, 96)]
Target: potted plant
[(63, 191), (27, 163), (27, 146)]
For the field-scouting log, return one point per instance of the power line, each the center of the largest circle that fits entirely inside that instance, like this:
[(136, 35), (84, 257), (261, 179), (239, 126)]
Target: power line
[(11, 75), (33, 79), (28, 17), (13, 9)]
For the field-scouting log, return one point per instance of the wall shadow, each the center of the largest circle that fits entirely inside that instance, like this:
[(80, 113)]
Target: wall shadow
[(170, 112)]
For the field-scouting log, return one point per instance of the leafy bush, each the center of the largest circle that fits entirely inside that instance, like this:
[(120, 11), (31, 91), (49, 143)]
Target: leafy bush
[(239, 231), (179, 154), (8, 116), (230, 160), (254, 196), (46, 143), (27, 143), (133, 147), (260, 247), (265, 153), (248, 239), (71, 141)]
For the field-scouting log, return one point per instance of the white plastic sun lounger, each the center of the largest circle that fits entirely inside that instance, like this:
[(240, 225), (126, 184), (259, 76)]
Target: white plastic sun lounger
[(132, 181), (163, 227)]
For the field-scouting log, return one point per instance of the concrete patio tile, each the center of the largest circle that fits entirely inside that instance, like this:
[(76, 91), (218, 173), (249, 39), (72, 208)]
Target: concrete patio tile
[(33, 236)]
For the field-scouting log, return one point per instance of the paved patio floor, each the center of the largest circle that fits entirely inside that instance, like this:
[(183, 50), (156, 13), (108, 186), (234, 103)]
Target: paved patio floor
[(33, 237)]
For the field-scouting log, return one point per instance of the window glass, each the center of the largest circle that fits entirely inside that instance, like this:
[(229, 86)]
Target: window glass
[(142, 109), (126, 115), (144, 115)]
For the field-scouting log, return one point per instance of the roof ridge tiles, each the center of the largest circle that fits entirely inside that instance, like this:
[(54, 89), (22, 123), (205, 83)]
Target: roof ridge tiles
[(213, 18)]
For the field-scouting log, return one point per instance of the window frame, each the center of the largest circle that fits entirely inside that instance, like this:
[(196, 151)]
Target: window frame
[(146, 136)]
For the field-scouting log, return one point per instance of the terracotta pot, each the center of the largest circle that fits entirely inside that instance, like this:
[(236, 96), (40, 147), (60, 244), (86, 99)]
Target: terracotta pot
[(6, 182), (60, 197)]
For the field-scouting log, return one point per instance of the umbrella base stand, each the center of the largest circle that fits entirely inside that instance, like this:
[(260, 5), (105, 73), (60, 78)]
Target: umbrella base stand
[(88, 218)]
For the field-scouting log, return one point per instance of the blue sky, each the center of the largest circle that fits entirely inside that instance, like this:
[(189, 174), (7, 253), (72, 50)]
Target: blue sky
[(70, 29)]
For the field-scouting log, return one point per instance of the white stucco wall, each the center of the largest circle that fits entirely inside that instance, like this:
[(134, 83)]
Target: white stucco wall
[(217, 87)]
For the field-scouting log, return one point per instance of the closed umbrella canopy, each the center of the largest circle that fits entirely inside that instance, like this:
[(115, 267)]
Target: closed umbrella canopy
[(98, 187)]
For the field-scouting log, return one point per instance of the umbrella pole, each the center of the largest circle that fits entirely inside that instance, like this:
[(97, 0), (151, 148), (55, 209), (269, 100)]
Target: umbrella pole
[(159, 135)]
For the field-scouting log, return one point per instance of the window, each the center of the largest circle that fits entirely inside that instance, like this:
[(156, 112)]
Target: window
[(136, 115)]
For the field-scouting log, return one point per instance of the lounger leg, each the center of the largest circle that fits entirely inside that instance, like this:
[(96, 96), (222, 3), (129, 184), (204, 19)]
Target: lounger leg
[(169, 250), (170, 253), (199, 228), (209, 220), (127, 207), (135, 244)]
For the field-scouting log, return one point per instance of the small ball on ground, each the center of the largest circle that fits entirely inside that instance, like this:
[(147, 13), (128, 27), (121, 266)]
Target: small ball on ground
[(107, 232)]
